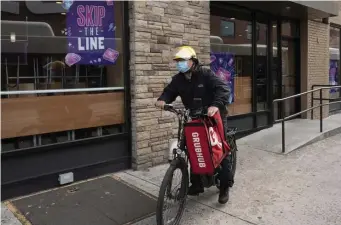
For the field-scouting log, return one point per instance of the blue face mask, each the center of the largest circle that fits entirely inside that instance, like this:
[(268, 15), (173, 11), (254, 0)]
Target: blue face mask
[(182, 66)]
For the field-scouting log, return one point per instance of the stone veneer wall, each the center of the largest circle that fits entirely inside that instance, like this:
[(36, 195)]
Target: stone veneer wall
[(314, 62), (156, 29)]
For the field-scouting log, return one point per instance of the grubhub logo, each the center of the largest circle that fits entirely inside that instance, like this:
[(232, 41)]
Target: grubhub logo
[(198, 150), (214, 138)]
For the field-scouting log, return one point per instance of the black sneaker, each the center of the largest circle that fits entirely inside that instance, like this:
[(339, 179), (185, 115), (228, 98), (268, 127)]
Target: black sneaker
[(223, 195), (195, 190)]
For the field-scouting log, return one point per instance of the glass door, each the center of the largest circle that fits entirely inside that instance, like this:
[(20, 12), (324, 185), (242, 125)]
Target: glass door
[(290, 74), (285, 67)]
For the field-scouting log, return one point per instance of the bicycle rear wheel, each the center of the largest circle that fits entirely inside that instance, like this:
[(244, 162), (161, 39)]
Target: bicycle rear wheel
[(176, 193), (231, 139), (234, 161)]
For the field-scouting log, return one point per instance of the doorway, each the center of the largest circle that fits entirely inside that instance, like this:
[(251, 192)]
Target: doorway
[(287, 70), (290, 74)]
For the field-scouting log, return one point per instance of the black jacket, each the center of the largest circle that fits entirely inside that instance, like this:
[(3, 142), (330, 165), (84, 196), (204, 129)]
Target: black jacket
[(204, 85)]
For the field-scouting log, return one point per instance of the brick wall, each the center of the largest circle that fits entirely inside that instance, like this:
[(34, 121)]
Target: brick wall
[(314, 60), (156, 28)]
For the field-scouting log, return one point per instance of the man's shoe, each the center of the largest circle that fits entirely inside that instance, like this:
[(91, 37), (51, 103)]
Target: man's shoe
[(223, 195), (195, 190)]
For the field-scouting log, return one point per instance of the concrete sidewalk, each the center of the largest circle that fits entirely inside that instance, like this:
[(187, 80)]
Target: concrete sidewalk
[(7, 217), (301, 188), (298, 133)]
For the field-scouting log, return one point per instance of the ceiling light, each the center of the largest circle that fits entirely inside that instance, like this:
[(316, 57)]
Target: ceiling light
[(232, 18), (63, 13), (274, 26), (59, 2)]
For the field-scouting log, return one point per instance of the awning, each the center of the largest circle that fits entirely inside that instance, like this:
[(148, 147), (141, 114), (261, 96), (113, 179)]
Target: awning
[(294, 9)]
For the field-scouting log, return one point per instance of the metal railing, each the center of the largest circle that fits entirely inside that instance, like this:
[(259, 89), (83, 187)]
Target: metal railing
[(324, 99), (303, 111)]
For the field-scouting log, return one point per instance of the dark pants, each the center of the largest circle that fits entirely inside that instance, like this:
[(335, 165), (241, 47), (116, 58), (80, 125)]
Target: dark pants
[(225, 174)]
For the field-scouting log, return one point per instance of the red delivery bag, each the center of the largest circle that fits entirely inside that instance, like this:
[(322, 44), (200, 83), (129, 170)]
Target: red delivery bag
[(206, 144)]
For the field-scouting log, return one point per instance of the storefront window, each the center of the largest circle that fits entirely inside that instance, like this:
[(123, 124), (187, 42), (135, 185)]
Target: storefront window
[(261, 63), (276, 88), (289, 29), (249, 32), (49, 46), (231, 57)]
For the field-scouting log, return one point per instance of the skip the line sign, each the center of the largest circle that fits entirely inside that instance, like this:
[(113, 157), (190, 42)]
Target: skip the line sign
[(90, 28), (91, 32)]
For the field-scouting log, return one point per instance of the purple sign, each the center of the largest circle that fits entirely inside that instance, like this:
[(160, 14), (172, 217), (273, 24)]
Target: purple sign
[(222, 64), (91, 33), (333, 73)]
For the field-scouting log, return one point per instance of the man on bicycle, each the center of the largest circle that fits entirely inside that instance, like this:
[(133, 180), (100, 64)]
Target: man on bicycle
[(195, 82)]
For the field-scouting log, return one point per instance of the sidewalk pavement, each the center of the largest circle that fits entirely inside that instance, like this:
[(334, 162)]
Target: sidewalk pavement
[(7, 217), (303, 187), (298, 133)]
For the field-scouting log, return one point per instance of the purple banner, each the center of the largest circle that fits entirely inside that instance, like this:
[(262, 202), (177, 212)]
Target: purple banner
[(91, 32), (222, 64), (333, 75)]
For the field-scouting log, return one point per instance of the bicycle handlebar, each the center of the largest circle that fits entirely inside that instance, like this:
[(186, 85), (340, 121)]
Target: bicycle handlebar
[(193, 113), (170, 108)]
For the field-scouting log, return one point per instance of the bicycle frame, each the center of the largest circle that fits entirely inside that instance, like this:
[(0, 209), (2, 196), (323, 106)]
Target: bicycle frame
[(183, 118)]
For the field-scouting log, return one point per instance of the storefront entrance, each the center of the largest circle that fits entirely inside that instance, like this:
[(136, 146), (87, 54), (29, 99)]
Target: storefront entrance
[(287, 74), (266, 65)]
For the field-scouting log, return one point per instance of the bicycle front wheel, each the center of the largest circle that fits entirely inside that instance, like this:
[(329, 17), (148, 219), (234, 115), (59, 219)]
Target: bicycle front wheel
[(173, 194)]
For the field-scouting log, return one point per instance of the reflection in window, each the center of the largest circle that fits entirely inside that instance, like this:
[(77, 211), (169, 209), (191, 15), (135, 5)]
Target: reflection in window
[(334, 66), (249, 32), (35, 40), (276, 88), (235, 55), (261, 67), (290, 28), (227, 28)]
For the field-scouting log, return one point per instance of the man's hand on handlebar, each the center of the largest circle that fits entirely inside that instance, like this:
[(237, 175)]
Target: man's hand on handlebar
[(160, 104), (212, 110)]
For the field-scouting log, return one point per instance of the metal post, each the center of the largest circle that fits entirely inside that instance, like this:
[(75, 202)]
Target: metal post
[(321, 121), (283, 128), (312, 104), (283, 137)]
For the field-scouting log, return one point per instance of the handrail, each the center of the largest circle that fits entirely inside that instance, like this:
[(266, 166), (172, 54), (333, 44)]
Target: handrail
[(303, 111), (293, 96), (304, 93), (306, 110), (312, 97)]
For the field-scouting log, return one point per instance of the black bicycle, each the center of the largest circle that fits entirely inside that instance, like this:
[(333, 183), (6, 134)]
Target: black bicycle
[(176, 193)]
